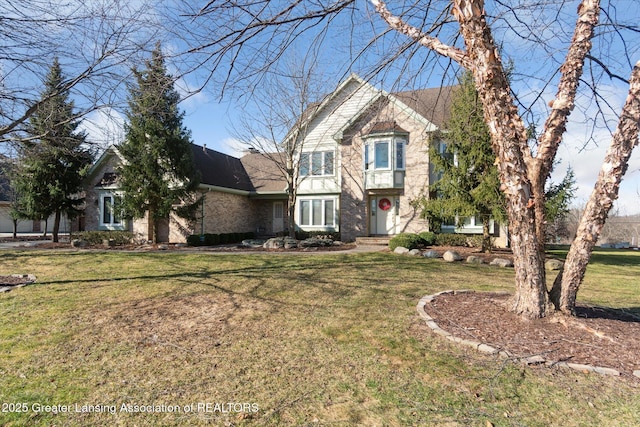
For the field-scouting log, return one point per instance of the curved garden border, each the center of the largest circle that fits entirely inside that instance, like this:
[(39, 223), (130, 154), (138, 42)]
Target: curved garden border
[(487, 349)]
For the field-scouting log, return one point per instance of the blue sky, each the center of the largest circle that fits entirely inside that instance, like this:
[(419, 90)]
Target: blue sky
[(211, 120)]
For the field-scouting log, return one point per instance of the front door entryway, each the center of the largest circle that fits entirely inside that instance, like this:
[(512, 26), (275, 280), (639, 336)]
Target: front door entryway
[(278, 217), (383, 215)]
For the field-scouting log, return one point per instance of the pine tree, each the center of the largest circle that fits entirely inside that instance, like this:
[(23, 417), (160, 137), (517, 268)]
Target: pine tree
[(558, 199), (157, 176), (469, 184), (53, 159)]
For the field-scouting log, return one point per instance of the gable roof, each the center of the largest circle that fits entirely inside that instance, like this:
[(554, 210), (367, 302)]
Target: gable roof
[(429, 106), (434, 104), (264, 173)]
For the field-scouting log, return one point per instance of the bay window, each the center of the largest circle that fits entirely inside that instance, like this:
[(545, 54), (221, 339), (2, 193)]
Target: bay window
[(385, 154)]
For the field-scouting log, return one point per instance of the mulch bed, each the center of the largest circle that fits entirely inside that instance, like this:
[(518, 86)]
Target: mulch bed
[(13, 281), (597, 336)]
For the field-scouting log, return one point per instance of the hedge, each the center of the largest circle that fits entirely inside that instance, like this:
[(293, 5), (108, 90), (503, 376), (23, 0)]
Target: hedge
[(447, 239), (406, 240), (209, 239)]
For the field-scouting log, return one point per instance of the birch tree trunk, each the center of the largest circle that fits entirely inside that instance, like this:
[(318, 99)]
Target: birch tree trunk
[(509, 139), (565, 288)]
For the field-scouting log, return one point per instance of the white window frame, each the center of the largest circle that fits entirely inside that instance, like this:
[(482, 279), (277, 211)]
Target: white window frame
[(369, 156), (402, 144), (326, 168), (115, 223), (322, 204), (470, 225)]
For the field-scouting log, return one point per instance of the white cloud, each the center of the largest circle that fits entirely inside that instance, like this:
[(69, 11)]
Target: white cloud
[(104, 127)]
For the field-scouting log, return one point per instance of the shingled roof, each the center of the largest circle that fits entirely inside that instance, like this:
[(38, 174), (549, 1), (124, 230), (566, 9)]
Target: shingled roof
[(264, 173), (220, 170), (433, 104)]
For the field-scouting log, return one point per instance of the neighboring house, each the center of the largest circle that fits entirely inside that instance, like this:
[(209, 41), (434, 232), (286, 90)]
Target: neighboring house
[(6, 199), (364, 162)]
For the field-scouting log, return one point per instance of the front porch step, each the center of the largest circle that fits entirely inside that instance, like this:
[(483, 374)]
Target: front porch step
[(373, 241)]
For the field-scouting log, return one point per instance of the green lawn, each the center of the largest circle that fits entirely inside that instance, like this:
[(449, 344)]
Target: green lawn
[(264, 339)]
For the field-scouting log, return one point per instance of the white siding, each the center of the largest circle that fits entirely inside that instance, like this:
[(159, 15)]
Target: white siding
[(347, 104)]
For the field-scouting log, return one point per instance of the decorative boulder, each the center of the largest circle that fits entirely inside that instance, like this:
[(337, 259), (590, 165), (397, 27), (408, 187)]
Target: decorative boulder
[(415, 252), (274, 243), (290, 243), (553, 264), (253, 243), (472, 259), (501, 262), (431, 254), (78, 243), (313, 242), (451, 256), (401, 250)]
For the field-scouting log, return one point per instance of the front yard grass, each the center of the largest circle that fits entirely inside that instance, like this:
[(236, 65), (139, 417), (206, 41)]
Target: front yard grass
[(276, 340)]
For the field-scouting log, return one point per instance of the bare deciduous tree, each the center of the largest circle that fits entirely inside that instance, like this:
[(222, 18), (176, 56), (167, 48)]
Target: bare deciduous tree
[(96, 42), (276, 121)]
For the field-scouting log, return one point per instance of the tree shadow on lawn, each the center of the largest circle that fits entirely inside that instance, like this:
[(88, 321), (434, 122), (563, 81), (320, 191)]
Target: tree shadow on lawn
[(605, 256), (624, 314), (279, 275)]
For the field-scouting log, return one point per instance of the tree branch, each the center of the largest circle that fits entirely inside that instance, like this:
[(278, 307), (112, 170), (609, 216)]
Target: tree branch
[(424, 39), (571, 70)]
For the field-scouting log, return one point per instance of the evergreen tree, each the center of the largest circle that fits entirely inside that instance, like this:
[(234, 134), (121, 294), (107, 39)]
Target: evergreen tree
[(469, 184), (558, 198), (157, 176), (53, 158)]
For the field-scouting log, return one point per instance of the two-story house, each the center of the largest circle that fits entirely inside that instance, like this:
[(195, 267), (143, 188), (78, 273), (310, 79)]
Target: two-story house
[(364, 161)]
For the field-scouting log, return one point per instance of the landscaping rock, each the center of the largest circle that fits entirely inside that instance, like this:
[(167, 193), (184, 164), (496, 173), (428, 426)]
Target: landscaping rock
[(431, 254), (78, 243), (415, 252), (502, 262), (401, 250), (314, 242), (290, 243), (274, 243), (451, 256), (553, 264), (472, 259), (253, 243), (14, 281)]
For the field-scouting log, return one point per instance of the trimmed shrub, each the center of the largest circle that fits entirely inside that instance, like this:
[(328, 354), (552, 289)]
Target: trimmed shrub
[(330, 235), (406, 240), (210, 239), (447, 239), (97, 237), (427, 238), (476, 241)]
